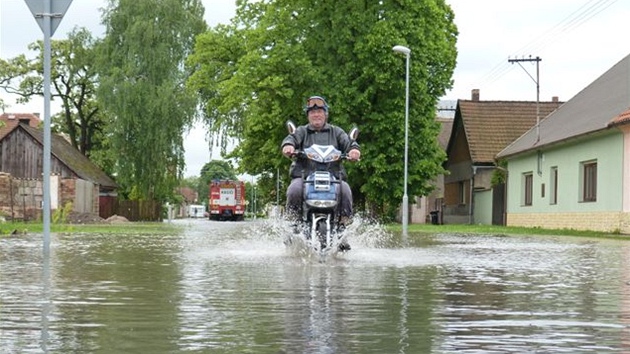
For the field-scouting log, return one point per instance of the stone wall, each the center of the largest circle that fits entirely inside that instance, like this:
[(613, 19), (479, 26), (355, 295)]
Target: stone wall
[(22, 199), (593, 221)]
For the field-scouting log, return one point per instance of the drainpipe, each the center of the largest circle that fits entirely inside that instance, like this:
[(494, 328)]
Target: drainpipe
[(472, 196)]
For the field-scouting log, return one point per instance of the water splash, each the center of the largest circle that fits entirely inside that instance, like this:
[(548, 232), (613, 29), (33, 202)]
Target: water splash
[(271, 229), (362, 233), (369, 233)]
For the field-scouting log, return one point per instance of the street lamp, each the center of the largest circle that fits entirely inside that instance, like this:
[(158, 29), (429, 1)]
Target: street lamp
[(405, 200)]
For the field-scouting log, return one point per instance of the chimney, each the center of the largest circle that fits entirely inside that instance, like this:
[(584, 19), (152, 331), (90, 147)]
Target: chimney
[(475, 95), (36, 114), (554, 99), (26, 121)]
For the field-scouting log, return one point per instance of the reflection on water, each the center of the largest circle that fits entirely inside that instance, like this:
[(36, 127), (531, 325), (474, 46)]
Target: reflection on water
[(234, 288)]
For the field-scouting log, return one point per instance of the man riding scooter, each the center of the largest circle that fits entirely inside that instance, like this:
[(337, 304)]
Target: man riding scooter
[(318, 131)]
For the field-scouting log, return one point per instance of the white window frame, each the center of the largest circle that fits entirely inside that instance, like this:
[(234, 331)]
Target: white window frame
[(588, 181), (553, 185)]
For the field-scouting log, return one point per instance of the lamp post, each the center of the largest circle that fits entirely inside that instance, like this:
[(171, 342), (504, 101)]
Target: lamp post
[(405, 200)]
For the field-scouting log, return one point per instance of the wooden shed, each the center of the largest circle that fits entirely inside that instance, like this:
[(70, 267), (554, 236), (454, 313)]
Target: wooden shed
[(21, 156)]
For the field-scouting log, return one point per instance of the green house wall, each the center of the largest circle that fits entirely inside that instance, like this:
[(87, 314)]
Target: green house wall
[(606, 149)]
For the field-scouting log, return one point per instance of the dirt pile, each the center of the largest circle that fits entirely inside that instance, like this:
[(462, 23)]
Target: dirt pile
[(88, 218), (116, 219)]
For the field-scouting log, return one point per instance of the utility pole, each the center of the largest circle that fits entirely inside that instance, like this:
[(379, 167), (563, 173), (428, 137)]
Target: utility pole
[(537, 82), (276, 212), (277, 187)]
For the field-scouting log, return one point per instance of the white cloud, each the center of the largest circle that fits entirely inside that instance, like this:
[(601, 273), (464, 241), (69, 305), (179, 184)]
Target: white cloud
[(576, 40)]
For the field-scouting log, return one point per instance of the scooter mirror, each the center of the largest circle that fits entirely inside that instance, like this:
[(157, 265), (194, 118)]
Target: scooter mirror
[(354, 133), (291, 127)]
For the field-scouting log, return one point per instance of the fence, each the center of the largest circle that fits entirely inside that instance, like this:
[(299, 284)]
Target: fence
[(133, 210)]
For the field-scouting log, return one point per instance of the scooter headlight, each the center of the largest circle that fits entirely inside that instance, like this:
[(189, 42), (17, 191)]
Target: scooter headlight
[(318, 203)]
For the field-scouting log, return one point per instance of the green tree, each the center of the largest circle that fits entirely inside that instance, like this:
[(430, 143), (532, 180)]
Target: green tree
[(218, 169), (190, 182), (142, 74), (256, 73), (266, 189), (73, 79)]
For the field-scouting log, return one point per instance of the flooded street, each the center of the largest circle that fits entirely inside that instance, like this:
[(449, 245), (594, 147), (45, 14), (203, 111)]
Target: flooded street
[(225, 287)]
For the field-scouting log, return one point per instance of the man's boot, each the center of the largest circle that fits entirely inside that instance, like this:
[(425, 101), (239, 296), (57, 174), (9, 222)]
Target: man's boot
[(344, 246), (344, 221)]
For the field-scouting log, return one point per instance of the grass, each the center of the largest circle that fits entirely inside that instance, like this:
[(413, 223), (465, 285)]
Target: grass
[(503, 230), (156, 228)]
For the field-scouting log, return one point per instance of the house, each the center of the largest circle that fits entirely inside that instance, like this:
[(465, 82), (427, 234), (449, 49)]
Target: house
[(421, 211), (189, 197), (574, 170), (74, 178), (481, 129)]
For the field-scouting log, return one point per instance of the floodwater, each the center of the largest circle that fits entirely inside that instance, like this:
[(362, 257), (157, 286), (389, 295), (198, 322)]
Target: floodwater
[(225, 287)]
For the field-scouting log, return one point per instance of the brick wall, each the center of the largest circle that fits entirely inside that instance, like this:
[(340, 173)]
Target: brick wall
[(66, 191)]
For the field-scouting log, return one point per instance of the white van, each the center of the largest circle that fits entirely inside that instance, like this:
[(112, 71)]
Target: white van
[(196, 211)]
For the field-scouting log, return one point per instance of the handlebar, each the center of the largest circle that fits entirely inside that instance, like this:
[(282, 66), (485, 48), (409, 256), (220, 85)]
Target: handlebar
[(302, 154)]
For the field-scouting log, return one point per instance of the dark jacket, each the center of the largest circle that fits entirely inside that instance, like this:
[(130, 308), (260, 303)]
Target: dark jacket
[(305, 136)]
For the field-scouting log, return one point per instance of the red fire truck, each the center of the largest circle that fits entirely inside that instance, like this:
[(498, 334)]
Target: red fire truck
[(227, 200)]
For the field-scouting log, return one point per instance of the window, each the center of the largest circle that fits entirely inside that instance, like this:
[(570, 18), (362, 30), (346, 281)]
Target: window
[(589, 181), (553, 186), (528, 183)]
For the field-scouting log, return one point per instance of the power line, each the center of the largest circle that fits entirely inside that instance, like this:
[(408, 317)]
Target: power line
[(583, 14)]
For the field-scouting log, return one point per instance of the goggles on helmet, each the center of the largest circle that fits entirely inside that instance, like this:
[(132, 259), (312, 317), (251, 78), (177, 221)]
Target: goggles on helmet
[(316, 102)]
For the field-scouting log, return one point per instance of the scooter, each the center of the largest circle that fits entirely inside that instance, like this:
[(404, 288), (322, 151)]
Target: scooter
[(322, 196)]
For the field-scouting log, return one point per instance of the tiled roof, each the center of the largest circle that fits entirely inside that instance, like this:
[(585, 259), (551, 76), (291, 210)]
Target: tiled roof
[(189, 194), (71, 157), (445, 131), (590, 111), (11, 120), (491, 125)]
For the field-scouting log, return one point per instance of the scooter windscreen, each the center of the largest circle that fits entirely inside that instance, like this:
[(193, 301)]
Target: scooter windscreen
[(322, 153)]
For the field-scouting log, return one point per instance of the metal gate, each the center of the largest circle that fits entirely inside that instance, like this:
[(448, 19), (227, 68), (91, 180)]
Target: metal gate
[(498, 204)]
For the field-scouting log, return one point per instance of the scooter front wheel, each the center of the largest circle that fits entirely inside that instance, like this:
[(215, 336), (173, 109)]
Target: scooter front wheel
[(322, 233)]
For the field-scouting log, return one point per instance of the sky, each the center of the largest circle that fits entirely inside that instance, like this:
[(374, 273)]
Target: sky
[(576, 40)]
